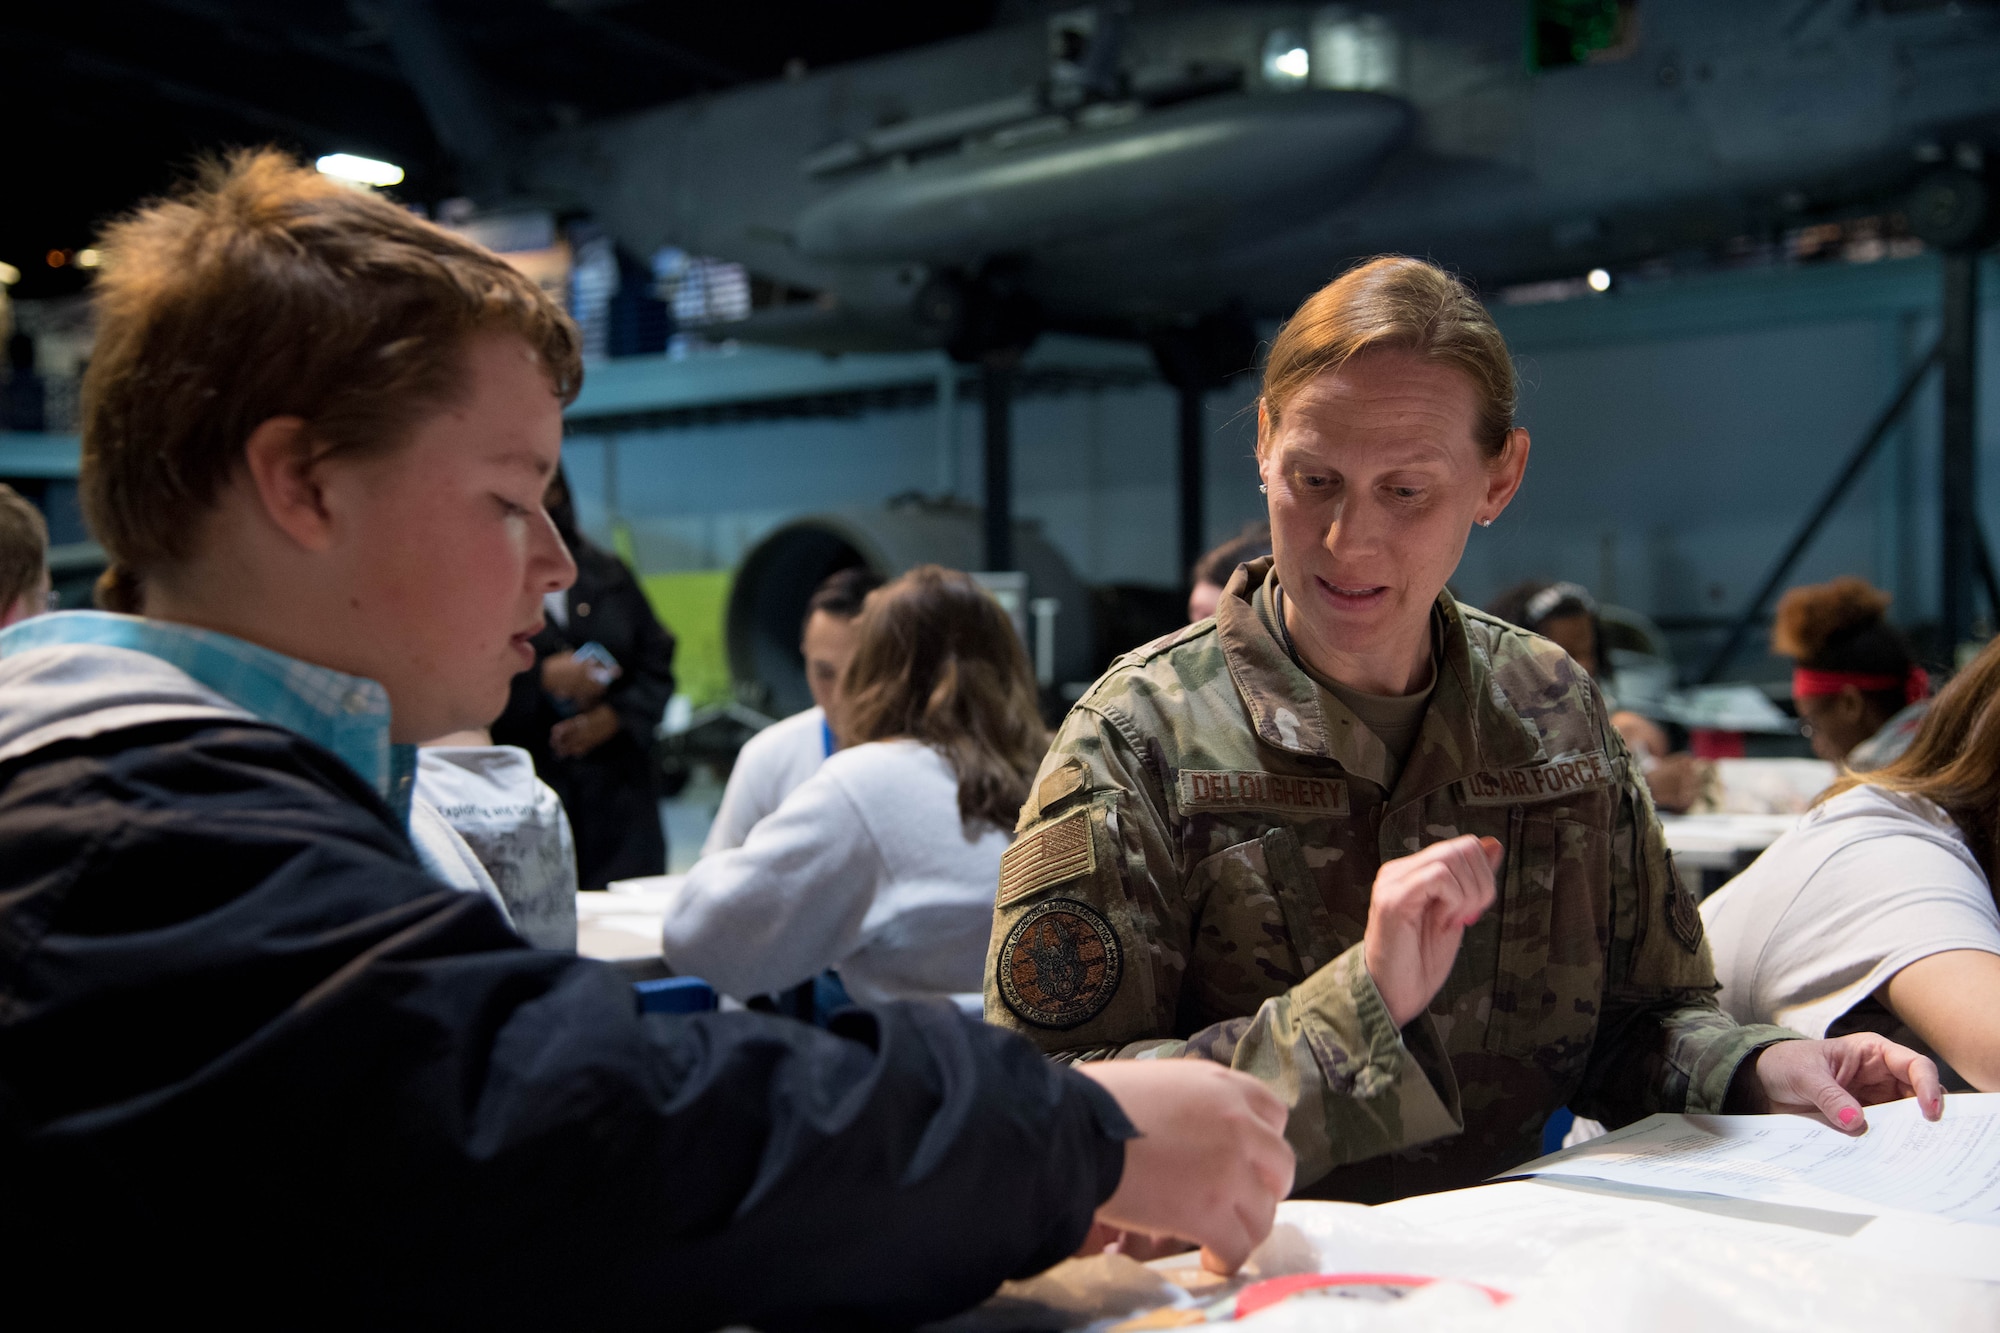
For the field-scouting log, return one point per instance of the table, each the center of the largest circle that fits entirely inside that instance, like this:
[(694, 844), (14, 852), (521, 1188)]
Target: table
[(1710, 850), (623, 927), (1536, 1255)]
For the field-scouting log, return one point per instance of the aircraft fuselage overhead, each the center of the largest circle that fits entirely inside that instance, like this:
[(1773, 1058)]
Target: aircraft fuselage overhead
[(1119, 169)]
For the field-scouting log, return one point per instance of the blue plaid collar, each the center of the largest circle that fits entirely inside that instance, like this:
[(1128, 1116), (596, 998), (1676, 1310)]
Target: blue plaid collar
[(345, 714)]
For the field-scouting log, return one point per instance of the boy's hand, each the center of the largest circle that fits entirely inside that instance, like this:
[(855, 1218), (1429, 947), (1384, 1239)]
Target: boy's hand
[(1418, 914), (1210, 1164), (574, 737)]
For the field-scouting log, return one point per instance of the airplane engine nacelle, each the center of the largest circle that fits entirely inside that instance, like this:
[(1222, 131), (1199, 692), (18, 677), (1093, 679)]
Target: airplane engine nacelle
[(767, 602), (1243, 164)]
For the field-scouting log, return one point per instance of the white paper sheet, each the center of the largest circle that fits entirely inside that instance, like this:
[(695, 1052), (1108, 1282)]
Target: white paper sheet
[(1948, 1170), (1573, 1261)]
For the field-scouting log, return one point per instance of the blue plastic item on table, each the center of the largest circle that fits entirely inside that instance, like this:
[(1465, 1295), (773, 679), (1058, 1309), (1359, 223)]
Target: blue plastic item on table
[(1555, 1129), (674, 995)]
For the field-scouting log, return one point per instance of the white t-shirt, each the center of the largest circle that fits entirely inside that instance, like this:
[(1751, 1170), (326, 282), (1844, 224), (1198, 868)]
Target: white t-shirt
[(1867, 884), (866, 868), (512, 827), (770, 765)]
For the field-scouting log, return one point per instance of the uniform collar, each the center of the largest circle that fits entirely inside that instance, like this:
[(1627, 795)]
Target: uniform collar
[(1468, 727), (348, 715)]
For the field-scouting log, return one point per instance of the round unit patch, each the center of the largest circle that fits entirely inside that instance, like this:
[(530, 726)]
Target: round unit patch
[(1060, 964)]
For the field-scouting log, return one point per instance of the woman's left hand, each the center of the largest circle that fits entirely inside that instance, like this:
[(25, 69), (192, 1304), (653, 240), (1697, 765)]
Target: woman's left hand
[(1835, 1078), (574, 737)]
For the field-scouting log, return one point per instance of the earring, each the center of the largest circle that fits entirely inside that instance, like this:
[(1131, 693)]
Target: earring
[(1485, 522), (1262, 489)]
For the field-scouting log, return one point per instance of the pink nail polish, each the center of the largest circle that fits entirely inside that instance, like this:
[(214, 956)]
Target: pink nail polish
[(1847, 1114)]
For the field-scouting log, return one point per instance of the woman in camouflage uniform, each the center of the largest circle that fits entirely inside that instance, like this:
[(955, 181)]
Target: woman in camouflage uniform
[(1381, 850)]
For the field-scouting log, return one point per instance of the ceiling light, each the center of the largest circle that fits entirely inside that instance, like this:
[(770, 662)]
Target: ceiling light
[(88, 259), (9, 275), (1293, 64), (1286, 62), (362, 170), (1599, 279)]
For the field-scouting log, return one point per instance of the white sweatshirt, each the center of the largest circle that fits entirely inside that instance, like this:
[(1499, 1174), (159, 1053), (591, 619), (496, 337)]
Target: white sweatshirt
[(866, 868), (768, 768)]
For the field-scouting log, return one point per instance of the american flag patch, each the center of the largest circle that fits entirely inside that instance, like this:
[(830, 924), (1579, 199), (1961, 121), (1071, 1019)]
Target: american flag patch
[(1052, 854)]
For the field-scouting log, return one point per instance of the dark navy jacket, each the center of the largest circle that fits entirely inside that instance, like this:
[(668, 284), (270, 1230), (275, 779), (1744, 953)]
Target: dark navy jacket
[(255, 1064)]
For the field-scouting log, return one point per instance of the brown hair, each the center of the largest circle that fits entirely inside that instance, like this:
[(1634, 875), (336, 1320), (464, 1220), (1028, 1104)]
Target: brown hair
[(1395, 302), (263, 289), (24, 546), (1954, 760), (1253, 543), (938, 661), (1843, 625)]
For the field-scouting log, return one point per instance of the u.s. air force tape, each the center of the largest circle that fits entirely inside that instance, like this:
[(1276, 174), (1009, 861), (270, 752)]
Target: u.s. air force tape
[(1537, 782), (1060, 964)]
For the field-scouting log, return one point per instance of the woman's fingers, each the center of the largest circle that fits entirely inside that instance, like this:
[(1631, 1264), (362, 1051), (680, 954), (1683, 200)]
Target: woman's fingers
[(1836, 1077), (1916, 1076), (1417, 915), (1453, 875), (1470, 867), (1839, 1106), (1884, 1071)]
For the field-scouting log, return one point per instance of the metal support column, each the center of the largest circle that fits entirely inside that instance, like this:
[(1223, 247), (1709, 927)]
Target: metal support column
[(996, 388), (1958, 350), (947, 430), (1193, 473), (1739, 629)]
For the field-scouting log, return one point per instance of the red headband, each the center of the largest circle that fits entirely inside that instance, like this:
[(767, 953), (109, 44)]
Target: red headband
[(1810, 684)]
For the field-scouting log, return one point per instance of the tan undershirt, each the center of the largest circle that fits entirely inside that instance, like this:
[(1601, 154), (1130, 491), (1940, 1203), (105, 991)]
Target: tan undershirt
[(1396, 719)]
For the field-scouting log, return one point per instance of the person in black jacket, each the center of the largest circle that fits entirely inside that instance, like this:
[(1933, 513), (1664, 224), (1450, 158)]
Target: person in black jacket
[(259, 1061), (589, 724)]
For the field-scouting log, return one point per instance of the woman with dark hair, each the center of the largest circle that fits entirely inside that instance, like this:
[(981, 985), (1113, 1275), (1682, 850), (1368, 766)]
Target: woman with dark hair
[(1563, 613), (1878, 913), (772, 764), (1566, 615), (1857, 685), (882, 865), (1213, 571), (587, 709)]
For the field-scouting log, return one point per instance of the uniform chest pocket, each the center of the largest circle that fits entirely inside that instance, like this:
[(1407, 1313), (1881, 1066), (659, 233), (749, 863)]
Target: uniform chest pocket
[(1549, 977), (1259, 928)]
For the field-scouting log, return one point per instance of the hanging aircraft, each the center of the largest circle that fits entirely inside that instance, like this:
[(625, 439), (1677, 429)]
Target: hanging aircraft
[(1132, 169), (1173, 171)]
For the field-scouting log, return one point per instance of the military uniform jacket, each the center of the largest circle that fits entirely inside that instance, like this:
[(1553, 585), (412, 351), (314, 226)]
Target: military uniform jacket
[(1193, 871)]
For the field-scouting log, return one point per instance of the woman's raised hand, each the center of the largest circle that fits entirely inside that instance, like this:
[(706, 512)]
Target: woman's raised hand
[(1210, 1164), (1418, 913)]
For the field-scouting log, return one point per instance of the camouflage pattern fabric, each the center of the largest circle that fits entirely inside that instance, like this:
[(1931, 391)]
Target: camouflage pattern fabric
[(1193, 872)]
